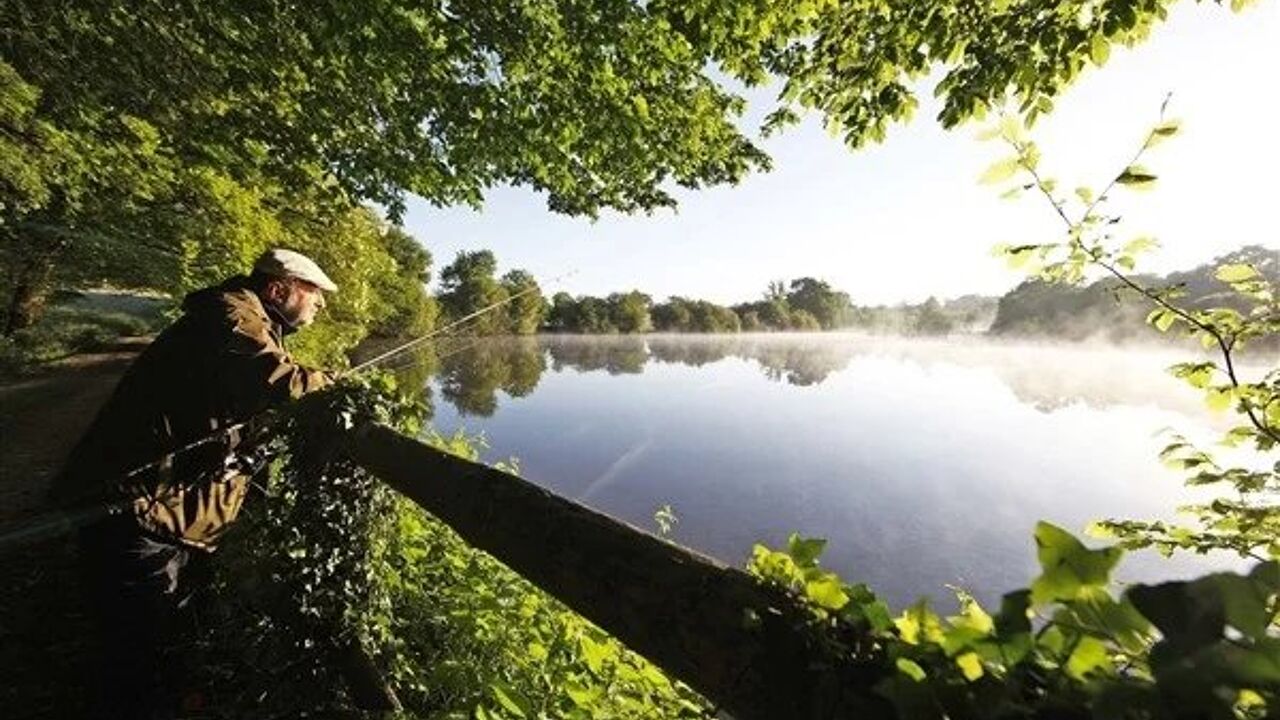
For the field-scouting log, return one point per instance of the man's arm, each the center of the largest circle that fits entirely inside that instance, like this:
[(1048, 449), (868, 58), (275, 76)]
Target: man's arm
[(259, 372)]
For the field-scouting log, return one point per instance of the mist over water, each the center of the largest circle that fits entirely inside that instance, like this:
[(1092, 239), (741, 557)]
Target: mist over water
[(923, 462)]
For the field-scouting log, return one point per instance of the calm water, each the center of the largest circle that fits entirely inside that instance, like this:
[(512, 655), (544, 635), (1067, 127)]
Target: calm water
[(924, 463)]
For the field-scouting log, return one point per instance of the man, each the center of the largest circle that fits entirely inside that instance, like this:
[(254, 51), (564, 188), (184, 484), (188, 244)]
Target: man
[(161, 454)]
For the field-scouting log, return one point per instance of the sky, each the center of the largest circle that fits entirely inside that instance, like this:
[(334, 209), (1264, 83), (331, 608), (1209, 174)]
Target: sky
[(907, 219)]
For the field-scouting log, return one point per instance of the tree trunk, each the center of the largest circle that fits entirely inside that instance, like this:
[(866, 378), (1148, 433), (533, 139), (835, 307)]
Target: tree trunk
[(735, 641), (28, 296)]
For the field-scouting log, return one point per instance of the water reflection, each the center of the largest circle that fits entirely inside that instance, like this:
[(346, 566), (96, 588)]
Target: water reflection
[(470, 375), (469, 372), (616, 356), (923, 462)]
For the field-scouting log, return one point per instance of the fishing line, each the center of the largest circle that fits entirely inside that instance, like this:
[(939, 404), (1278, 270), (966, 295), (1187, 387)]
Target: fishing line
[(465, 318)]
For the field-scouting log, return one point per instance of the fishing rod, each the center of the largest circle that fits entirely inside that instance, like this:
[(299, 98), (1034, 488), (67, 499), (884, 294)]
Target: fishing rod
[(59, 522)]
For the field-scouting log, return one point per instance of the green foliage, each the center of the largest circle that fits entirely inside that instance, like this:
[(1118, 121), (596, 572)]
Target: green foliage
[(599, 107), (679, 314), (855, 62), (528, 308), (1238, 306), (475, 635), (302, 579), (629, 312), (402, 287), (806, 304), (470, 377), (332, 556), (468, 288), (626, 313), (65, 331), (1064, 647)]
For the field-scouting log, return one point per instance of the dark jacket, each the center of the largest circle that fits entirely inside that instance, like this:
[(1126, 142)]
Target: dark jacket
[(223, 362)]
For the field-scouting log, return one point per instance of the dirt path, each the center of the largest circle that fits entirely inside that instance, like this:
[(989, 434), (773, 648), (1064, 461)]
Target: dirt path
[(42, 418), (42, 622)]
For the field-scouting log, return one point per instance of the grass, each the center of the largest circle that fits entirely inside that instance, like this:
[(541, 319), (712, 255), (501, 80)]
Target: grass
[(77, 323)]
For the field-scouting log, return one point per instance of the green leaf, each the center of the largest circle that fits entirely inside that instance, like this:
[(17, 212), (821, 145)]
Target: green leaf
[(919, 624), (1186, 621), (1235, 273), (1000, 171), (971, 665), (827, 592), (911, 669), (1162, 132), (805, 551), (1237, 435), (1069, 569), (641, 105), (584, 697), (1137, 177), (971, 616), (594, 653), (1085, 194), (510, 700), (877, 613), (1258, 666), (1219, 399), (1089, 654), (1162, 319), (1140, 245), (1099, 49), (1197, 375)]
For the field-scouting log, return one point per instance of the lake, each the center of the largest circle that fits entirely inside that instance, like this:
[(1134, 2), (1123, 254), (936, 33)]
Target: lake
[(924, 463)]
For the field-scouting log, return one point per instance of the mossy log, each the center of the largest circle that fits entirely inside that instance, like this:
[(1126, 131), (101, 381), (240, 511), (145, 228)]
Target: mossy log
[(714, 627)]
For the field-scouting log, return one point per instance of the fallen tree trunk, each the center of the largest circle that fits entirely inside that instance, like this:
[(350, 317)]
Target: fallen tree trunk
[(713, 627)]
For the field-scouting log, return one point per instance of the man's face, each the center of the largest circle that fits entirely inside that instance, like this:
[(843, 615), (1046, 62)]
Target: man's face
[(300, 303)]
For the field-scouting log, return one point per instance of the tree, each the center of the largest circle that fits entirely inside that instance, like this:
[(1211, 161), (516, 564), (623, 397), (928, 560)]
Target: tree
[(528, 307), (352, 101), (563, 315), (775, 313), (829, 307), (629, 312), (672, 316), (412, 310), (594, 316), (931, 320), (805, 321), (467, 286)]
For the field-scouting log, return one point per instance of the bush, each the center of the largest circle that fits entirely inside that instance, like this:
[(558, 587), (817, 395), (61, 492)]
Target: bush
[(331, 555)]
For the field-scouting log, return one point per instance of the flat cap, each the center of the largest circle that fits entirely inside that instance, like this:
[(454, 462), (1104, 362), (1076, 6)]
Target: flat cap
[(278, 262)]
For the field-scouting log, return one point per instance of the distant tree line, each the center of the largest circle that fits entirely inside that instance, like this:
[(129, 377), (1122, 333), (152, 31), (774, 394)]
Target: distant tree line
[(1033, 309), (803, 304), (1096, 310)]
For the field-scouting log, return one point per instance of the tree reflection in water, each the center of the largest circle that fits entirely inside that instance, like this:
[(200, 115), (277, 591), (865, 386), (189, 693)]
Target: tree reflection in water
[(470, 371), (470, 376)]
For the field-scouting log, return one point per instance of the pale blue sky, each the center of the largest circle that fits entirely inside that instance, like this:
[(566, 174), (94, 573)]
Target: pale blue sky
[(907, 219)]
